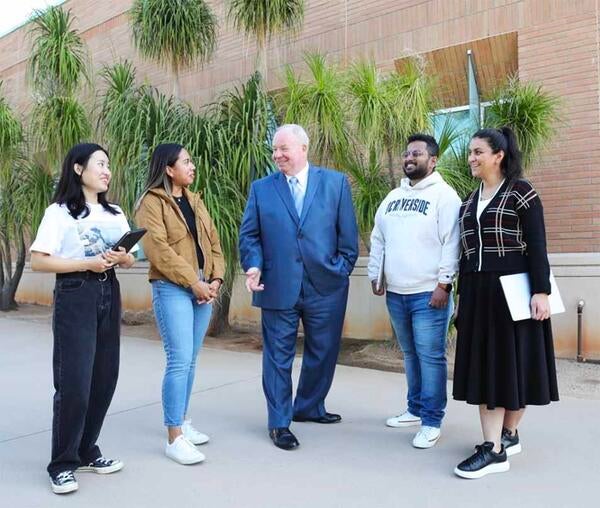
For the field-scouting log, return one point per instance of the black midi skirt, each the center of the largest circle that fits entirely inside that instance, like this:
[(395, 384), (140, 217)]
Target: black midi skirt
[(500, 362)]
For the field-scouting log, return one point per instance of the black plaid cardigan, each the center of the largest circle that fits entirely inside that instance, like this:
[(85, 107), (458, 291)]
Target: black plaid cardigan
[(513, 234)]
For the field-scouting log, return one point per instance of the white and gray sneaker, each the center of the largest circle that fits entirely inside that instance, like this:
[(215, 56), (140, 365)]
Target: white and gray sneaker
[(426, 437), (102, 466), (183, 452), (406, 419), (192, 435), (63, 482)]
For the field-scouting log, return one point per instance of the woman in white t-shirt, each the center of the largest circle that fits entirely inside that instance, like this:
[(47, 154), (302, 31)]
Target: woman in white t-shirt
[(74, 241)]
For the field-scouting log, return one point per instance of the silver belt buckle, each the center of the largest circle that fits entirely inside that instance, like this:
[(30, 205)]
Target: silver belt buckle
[(103, 276)]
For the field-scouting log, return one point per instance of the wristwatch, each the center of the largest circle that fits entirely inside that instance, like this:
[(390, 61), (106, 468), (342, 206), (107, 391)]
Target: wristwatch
[(445, 287)]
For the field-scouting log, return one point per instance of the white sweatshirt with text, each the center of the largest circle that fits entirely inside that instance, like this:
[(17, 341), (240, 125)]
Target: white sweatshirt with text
[(417, 229)]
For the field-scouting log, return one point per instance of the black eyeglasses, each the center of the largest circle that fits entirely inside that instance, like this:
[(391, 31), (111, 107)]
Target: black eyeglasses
[(414, 153)]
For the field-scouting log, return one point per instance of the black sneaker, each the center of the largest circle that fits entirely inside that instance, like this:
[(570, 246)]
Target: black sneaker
[(482, 462), (511, 442), (102, 466), (63, 482)]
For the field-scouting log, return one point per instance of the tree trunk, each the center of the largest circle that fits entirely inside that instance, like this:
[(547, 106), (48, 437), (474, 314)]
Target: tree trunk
[(11, 280), (175, 81), (7, 301), (365, 236), (391, 167), (261, 58), (219, 322)]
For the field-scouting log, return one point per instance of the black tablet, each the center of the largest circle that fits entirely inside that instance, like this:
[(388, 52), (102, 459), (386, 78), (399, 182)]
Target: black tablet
[(129, 239)]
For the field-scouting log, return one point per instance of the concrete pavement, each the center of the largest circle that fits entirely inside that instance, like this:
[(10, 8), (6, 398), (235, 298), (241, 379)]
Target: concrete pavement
[(358, 463)]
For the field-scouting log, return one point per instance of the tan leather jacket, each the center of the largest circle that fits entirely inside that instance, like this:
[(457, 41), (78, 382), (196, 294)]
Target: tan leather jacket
[(169, 244)]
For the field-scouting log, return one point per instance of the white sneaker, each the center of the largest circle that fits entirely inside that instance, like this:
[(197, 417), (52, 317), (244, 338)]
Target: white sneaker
[(192, 435), (184, 452), (426, 437), (406, 419)]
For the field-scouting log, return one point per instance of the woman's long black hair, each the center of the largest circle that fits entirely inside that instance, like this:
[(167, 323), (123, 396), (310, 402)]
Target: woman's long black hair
[(504, 139), (69, 190)]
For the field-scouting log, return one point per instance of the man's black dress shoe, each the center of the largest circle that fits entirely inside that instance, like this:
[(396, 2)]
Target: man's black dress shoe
[(283, 438), (326, 418)]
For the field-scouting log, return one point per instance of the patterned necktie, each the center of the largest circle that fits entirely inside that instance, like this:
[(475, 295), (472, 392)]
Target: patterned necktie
[(296, 194)]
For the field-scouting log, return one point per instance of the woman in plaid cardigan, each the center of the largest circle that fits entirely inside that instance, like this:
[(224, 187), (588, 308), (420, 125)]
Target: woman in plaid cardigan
[(501, 365)]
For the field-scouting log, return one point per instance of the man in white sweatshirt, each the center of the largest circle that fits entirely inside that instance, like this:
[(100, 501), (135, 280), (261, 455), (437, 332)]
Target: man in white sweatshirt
[(416, 239)]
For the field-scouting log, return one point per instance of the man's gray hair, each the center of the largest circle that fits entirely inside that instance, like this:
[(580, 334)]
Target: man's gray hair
[(294, 129)]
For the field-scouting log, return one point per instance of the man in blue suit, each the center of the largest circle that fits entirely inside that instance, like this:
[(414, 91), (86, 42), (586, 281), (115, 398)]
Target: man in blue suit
[(298, 246)]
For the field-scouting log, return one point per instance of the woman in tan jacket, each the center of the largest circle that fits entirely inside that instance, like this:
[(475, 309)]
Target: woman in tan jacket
[(186, 273)]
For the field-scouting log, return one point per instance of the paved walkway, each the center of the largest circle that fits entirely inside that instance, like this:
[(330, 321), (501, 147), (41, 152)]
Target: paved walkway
[(358, 463)]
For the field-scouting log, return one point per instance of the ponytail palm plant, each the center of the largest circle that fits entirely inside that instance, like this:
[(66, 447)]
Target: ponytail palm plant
[(57, 70), (13, 214), (58, 58), (232, 149), (177, 34), (529, 110), (533, 114), (386, 109), (133, 120), (358, 119), (263, 19), (318, 104), (58, 123), (227, 141)]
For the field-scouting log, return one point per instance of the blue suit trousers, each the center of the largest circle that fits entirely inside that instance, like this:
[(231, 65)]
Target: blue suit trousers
[(322, 318)]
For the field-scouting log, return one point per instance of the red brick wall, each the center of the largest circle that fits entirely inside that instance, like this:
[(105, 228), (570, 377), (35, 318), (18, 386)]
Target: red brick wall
[(558, 46)]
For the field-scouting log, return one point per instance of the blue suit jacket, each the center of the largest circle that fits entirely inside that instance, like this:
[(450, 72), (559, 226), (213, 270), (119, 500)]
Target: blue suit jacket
[(323, 241)]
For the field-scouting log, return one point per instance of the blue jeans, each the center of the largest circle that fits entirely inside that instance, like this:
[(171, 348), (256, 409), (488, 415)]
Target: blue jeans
[(182, 324), (421, 331)]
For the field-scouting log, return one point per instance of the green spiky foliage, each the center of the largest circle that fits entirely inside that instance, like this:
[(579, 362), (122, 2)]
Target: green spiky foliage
[(532, 112), (233, 150), (263, 19), (133, 120), (415, 90), (177, 34), (58, 123), (453, 162), (227, 141), (318, 105), (13, 212), (369, 188), (58, 59), (387, 108), (453, 165), (57, 70), (358, 120)]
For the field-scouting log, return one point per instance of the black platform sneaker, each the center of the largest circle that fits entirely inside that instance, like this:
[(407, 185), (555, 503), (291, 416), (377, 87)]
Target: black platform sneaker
[(484, 461)]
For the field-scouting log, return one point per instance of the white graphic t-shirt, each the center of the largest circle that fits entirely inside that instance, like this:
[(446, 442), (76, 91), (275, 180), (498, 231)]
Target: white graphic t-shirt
[(63, 236)]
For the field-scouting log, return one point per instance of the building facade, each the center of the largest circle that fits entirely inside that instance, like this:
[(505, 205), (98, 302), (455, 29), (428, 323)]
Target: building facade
[(552, 42)]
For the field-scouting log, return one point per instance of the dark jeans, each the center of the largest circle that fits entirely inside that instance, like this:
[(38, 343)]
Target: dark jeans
[(86, 326)]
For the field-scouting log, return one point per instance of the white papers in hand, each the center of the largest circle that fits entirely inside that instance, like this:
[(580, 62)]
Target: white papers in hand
[(517, 291), (381, 274)]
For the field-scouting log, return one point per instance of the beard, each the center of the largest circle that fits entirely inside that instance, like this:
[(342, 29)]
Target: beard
[(416, 171)]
